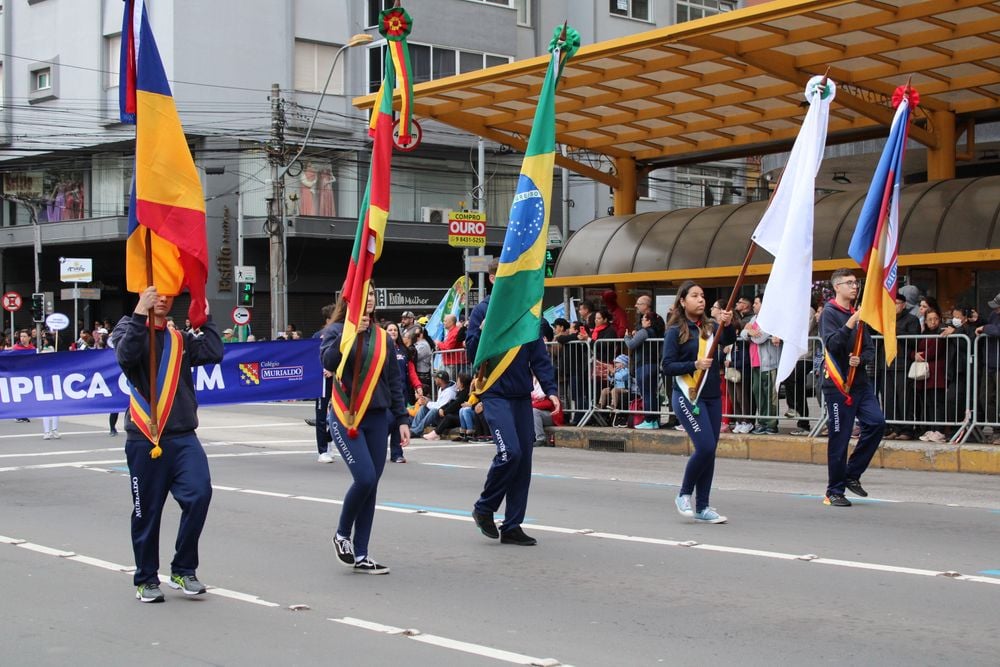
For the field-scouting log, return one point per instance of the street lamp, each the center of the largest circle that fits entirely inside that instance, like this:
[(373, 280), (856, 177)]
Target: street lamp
[(277, 245)]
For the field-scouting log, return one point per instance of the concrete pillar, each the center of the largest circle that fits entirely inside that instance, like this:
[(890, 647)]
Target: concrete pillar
[(941, 160)]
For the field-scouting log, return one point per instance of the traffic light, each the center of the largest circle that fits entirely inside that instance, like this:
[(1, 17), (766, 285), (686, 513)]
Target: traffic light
[(245, 295), (38, 307), (550, 261)]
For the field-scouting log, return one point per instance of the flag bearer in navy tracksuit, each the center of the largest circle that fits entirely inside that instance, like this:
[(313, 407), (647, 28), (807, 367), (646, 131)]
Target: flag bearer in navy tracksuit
[(175, 461), (507, 407), (685, 358), (363, 445), (838, 329)]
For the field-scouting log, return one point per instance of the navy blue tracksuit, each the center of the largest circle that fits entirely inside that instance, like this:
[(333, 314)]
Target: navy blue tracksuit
[(182, 469), (839, 343), (507, 407), (704, 428)]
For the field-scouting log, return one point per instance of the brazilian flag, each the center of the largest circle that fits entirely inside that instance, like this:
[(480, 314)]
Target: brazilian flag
[(514, 314)]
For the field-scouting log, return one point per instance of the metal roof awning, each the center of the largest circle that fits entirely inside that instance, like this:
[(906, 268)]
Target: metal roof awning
[(943, 222), (731, 84)]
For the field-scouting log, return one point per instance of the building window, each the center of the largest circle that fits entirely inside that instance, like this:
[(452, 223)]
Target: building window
[(689, 10), (432, 62), (523, 12), (41, 79), (375, 7), (633, 9), (312, 66), (113, 54)]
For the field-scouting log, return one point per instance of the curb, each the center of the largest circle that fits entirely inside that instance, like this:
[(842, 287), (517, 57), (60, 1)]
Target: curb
[(933, 457)]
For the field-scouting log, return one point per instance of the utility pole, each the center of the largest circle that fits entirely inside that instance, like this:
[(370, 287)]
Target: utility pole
[(275, 212)]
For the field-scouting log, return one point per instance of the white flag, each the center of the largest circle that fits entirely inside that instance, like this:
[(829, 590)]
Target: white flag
[(786, 231)]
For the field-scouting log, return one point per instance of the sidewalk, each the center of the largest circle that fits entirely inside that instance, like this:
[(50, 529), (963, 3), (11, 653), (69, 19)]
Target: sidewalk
[(910, 455)]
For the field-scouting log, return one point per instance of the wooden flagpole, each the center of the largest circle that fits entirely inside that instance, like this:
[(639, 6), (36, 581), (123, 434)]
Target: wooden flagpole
[(153, 426)]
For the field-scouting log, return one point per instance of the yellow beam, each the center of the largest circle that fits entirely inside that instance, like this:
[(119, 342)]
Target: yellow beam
[(941, 160), (965, 257), (626, 193)]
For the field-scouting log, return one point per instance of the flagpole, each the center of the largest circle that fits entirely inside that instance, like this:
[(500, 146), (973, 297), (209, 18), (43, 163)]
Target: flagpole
[(153, 427)]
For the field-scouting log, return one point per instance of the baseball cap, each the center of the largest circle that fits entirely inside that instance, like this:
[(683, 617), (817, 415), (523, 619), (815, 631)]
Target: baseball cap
[(407, 313), (443, 375), (422, 320), (995, 303), (227, 331), (621, 359)]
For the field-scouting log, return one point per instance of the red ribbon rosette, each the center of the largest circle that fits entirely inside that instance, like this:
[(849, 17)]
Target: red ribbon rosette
[(913, 97)]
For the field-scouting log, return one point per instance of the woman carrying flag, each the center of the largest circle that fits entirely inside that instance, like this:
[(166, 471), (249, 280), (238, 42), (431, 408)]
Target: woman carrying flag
[(362, 410), (689, 336)]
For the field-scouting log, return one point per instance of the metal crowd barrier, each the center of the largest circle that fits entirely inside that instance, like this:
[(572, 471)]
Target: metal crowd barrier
[(960, 399)]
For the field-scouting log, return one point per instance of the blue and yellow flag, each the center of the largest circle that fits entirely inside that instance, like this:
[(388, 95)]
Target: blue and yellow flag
[(166, 195), (875, 244), (514, 314)]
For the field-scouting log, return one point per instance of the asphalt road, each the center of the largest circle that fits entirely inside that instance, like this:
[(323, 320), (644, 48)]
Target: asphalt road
[(618, 578)]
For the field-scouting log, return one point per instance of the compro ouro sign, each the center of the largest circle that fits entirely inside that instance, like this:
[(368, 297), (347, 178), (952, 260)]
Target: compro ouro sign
[(466, 229), (75, 270)]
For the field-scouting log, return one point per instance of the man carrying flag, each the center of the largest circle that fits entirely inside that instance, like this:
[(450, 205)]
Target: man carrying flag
[(847, 388), (503, 335), (165, 252)]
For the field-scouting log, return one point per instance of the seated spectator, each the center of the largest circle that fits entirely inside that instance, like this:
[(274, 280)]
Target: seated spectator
[(541, 407), (448, 413), (427, 413), (616, 396)]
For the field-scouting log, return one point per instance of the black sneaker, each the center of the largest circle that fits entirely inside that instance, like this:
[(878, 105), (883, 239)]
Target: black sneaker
[(854, 486), (345, 550), (759, 429), (310, 422), (23, 420), (516, 536), (148, 593), (836, 500), (187, 583), (367, 566), (486, 524)]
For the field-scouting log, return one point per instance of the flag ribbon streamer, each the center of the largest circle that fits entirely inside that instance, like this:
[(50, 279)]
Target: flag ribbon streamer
[(371, 362), (168, 376)]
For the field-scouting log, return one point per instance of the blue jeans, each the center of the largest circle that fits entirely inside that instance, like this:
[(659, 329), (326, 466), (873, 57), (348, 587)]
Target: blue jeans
[(467, 418), (647, 378), (424, 419)]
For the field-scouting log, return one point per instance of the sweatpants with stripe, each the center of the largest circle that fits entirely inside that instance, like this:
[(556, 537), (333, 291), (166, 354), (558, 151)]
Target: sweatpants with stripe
[(703, 429), (182, 471), (513, 428), (364, 455), (840, 424)]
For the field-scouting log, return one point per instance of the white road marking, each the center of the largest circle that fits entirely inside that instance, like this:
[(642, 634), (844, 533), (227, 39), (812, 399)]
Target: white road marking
[(655, 541), (92, 464), (104, 433), (452, 644)]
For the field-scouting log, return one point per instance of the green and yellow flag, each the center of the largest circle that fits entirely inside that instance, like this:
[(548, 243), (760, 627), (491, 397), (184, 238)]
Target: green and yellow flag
[(514, 314)]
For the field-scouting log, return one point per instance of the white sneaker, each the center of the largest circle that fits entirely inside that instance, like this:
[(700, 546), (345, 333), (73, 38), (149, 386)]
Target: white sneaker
[(47, 436), (55, 434), (325, 457)]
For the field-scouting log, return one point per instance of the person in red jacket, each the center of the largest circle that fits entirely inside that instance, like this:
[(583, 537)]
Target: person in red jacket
[(618, 320), (454, 362)]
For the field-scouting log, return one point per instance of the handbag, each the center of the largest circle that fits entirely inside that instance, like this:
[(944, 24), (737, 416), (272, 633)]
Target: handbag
[(733, 375), (919, 370)]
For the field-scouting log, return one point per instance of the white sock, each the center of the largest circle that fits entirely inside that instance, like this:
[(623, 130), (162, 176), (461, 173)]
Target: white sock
[(358, 559)]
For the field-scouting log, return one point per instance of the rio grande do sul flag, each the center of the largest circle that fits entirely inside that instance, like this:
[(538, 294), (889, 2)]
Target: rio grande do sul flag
[(875, 244), (515, 310), (166, 196)]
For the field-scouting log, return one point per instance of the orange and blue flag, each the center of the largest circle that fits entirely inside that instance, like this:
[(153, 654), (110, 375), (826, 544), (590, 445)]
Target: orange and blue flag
[(875, 244), (166, 197)]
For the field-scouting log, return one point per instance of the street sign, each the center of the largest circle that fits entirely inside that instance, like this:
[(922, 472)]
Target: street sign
[(416, 136), (241, 315), (89, 293), (11, 302), (75, 270), (245, 274), (57, 321), (466, 229), (478, 263)]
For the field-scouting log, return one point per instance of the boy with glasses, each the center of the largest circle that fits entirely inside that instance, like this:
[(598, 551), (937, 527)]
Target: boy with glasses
[(838, 329)]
